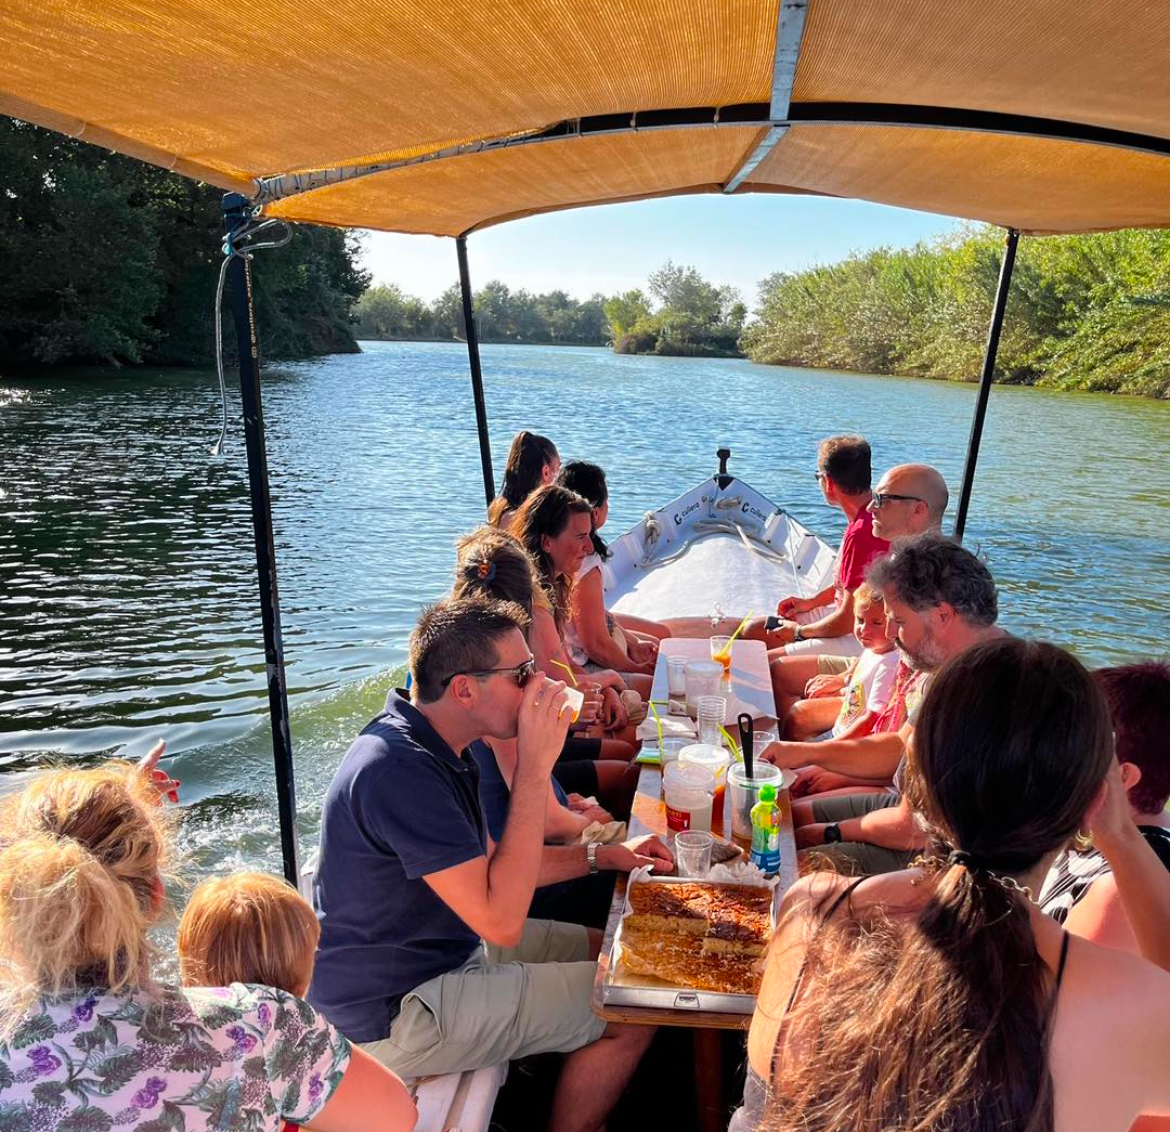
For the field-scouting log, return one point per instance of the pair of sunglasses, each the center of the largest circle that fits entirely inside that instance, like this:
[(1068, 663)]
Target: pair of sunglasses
[(521, 673)]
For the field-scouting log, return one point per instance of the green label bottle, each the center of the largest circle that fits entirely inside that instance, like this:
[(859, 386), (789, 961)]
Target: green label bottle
[(766, 832)]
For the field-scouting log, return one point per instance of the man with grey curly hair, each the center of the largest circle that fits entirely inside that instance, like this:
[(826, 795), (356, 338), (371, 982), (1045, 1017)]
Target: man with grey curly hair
[(940, 600)]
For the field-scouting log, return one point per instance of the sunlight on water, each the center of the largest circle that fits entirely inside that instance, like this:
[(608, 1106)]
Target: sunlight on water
[(127, 585)]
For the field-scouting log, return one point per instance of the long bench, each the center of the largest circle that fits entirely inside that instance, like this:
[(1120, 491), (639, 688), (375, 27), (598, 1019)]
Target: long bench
[(458, 1102)]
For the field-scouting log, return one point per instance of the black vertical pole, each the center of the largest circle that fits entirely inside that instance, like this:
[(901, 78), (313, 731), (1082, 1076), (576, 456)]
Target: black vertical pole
[(240, 275), (485, 450), (993, 333)]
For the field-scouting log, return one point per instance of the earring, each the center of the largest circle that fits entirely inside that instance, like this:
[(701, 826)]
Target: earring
[(1082, 841)]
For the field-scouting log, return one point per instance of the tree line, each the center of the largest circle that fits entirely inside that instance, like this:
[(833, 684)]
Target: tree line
[(109, 259), (1085, 312)]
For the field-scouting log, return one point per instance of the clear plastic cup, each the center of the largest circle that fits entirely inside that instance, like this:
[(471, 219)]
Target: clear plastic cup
[(721, 652), (711, 712), (692, 852), (668, 752), (715, 760), (704, 678), (676, 677), (574, 701), (742, 794)]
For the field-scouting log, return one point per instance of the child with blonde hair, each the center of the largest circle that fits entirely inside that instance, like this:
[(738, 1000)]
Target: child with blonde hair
[(248, 928)]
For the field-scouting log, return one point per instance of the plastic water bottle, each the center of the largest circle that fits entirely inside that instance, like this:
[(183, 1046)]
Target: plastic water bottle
[(766, 832)]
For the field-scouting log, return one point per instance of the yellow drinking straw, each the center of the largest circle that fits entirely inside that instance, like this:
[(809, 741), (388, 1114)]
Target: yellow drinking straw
[(740, 629), (730, 740), (572, 674), (658, 720)]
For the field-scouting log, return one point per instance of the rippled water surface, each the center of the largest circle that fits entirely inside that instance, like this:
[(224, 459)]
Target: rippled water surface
[(127, 580)]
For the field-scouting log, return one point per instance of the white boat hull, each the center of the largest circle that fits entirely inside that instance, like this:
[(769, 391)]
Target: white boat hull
[(718, 550)]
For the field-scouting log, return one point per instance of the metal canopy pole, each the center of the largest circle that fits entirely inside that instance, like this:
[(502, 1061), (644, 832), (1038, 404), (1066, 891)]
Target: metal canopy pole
[(481, 424), (235, 210), (993, 333)]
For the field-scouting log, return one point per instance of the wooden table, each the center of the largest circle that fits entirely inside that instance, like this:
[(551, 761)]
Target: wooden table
[(750, 686), (649, 816)]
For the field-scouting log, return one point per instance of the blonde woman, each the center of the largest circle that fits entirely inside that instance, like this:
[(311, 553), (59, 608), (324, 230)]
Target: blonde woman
[(88, 1039)]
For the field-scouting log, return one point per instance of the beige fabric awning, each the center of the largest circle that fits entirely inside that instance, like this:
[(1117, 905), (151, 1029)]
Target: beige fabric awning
[(1049, 116)]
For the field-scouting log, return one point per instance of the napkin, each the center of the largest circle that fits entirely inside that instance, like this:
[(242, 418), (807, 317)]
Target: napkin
[(611, 833)]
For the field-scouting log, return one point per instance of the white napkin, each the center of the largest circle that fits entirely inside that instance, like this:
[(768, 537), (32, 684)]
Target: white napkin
[(609, 833)]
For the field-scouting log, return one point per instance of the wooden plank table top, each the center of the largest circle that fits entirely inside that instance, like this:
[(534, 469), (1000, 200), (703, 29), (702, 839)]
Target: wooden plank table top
[(750, 686), (649, 816)]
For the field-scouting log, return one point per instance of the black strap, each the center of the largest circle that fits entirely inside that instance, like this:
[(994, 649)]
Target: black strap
[(1063, 959)]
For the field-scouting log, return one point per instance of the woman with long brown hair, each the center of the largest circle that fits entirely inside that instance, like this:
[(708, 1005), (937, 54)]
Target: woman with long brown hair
[(88, 1038), (941, 999), (532, 461)]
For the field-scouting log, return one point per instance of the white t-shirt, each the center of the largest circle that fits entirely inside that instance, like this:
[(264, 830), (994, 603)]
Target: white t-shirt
[(869, 688)]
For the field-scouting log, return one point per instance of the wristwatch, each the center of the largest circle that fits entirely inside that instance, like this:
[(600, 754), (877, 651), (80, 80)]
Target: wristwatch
[(832, 833), (797, 633), (591, 857)]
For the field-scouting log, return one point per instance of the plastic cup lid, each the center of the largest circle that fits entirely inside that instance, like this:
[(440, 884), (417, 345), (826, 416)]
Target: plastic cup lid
[(690, 775), (703, 754)]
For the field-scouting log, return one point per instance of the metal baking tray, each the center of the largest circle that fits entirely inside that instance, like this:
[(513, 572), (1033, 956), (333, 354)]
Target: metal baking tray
[(624, 988)]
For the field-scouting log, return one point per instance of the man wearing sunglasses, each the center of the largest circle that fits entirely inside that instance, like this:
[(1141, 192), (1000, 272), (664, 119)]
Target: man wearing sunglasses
[(908, 500), (427, 957)]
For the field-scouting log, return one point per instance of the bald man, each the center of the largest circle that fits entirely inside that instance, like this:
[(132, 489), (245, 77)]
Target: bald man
[(908, 500)]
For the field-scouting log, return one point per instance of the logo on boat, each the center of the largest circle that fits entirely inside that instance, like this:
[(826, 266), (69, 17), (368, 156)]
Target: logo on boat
[(748, 509), (679, 516)]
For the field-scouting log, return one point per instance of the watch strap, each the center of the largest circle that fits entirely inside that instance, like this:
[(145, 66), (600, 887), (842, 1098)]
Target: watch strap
[(591, 857), (832, 833)]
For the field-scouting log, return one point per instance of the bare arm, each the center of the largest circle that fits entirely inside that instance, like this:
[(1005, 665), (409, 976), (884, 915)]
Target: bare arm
[(589, 618), (492, 894), (839, 623), (560, 823), (369, 1097), (566, 862), (892, 828), (873, 757)]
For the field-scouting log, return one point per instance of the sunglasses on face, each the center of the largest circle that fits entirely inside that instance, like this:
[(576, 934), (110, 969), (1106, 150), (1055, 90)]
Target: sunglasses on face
[(521, 673), (879, 499)]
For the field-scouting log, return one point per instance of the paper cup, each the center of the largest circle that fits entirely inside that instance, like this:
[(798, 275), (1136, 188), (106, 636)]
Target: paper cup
[(574, 701)]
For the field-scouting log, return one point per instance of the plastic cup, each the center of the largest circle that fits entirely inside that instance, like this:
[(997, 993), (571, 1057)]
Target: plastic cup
[(742, 794), (692, 852), (704, 678), (668, 752), (721, 651), (676, 677), (711, 712), (574, 701), (715, 760)]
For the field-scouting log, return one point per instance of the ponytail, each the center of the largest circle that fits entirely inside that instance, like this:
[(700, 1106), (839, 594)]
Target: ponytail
[(79, 881)]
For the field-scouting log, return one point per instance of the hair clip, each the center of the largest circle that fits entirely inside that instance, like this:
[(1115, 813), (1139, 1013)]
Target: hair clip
[(486, 571)]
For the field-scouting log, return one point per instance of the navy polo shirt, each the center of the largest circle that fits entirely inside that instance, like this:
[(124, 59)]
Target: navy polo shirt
[(401, 805)]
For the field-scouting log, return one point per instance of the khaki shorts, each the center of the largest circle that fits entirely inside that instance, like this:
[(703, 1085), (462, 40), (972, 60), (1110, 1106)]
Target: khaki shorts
[(500, 1005), (833, 665)]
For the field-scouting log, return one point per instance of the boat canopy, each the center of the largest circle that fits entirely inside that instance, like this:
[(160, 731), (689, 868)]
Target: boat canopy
[(445, 117)]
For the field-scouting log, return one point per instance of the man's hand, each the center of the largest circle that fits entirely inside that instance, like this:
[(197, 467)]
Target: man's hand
[(790, 606), (823, 685), (636, 854), (586, 809), (166, 786), (810, 836), (787, 755), (543, 724), (783, 634), (816, 780), (591, 709)]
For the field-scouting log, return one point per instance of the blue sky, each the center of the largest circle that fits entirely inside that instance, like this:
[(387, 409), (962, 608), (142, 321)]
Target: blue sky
[(609, 248)]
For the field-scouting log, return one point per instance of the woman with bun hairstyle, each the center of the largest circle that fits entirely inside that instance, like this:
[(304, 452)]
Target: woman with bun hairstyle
[(942, 998), (532, 462), (90, 1040)]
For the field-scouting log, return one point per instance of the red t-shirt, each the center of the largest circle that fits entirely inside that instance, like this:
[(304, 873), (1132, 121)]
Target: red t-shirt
[(859, 547)]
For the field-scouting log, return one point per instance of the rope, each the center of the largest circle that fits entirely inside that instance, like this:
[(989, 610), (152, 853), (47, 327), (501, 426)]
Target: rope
[(239, 242)]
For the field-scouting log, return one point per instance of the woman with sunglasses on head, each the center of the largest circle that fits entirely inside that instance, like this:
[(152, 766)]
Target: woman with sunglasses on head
[(941, 999), (532, 462), (594, 636)]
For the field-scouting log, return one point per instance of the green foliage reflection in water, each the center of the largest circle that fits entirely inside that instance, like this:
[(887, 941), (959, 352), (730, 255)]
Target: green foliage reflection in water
[(106, 258), (1084, 312)]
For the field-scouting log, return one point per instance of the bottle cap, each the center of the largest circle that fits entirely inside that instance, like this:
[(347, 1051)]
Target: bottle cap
[(767, 792)]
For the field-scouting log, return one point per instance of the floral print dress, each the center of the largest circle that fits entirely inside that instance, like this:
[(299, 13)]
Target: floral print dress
[(171, 1060)]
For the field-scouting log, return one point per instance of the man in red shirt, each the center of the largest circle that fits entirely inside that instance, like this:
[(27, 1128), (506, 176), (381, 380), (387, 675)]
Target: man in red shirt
[(822, 625)]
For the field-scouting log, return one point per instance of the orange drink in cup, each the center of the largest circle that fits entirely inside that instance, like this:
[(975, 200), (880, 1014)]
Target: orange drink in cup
[(721, 651)]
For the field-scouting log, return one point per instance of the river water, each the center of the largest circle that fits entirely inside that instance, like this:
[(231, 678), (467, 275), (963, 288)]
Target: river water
[(128, 603)]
